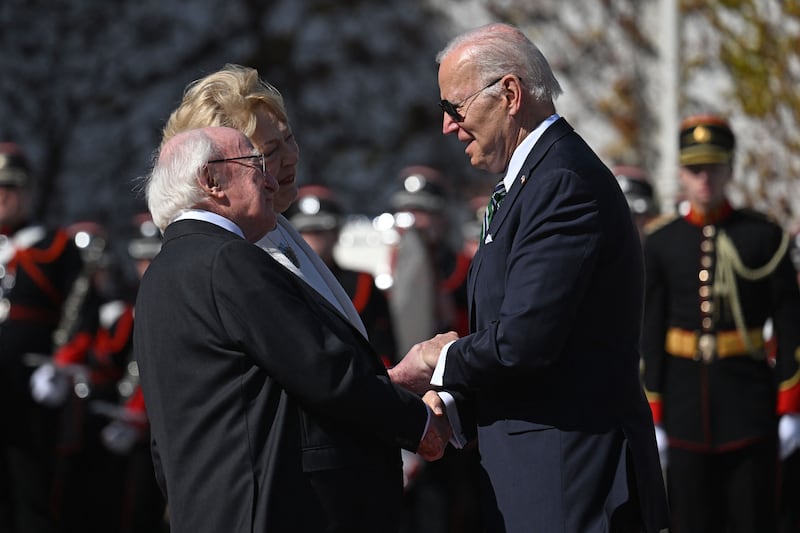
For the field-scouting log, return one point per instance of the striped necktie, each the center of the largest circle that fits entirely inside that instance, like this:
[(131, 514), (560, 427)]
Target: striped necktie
[(498, 194)]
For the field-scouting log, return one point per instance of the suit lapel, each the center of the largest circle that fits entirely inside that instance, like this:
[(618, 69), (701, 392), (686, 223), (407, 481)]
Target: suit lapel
[(559, 129), (526, 174)]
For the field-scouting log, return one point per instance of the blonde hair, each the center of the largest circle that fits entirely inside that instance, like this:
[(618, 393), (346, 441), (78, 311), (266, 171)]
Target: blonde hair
[(229, 97)]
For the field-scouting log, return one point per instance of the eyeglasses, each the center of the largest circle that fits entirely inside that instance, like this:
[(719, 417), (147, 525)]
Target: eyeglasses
[(452, 109), (259, 156)]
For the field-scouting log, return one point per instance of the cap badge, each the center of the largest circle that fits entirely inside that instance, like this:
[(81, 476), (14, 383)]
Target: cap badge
[(701, 134)]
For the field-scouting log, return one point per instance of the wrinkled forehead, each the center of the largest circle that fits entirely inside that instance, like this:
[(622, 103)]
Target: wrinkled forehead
[(230, 141), (457, 69)]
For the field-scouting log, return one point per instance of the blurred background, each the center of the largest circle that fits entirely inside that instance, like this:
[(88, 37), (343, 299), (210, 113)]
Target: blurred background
[(86, 86)]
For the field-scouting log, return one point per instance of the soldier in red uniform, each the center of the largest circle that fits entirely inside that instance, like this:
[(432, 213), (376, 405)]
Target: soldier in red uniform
[(317, 214), (714, 277), (38, 268)]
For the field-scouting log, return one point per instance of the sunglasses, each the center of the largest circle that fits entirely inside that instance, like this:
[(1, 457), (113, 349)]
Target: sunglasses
[(263, 161), (452, 109)]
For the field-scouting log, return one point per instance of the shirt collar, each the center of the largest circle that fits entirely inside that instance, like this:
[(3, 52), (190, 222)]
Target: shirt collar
[(521, 152), (213, 218)]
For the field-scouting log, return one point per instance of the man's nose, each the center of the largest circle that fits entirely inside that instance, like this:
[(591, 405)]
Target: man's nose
[(448, 124)]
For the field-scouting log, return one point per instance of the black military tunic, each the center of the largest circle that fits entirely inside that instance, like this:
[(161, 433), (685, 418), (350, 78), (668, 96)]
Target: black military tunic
[(712, 283), (37, 270)]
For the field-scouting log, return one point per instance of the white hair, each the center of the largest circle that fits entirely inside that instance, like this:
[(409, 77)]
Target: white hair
[(173, 184), (499, 49)]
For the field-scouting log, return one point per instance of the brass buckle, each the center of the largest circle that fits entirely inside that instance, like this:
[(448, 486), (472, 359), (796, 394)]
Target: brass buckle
[(706, 347)]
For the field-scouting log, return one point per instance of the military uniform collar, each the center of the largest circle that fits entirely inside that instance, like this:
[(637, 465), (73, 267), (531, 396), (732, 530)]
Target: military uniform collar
[(714, 216)]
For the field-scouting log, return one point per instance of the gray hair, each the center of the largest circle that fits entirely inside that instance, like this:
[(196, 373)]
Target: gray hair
[(172, 186), (499, 49)]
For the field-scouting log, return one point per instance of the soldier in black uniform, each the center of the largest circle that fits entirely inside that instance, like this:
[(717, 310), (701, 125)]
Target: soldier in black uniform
[(317, 214), (38, 267), (715, 275)]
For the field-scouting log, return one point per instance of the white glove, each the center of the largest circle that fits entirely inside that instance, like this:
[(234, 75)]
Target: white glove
[(49, 385), (662, 444), (412, 466), (789, 434), (120, 437)]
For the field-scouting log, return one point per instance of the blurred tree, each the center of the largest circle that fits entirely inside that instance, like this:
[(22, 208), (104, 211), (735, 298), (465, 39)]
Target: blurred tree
[(86, 86), (755, 46)]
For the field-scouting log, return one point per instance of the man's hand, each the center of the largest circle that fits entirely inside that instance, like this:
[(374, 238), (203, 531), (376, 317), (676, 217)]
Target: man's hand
[(436, 438), (415, 370)]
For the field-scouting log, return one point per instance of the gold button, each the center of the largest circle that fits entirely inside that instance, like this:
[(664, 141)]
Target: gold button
[(706, 306), (705, 261), (703, 275), (705, 291), (707, 323), (707, 246), (709, 231)]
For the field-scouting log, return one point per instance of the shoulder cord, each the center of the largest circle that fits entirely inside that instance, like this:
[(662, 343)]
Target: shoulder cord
[(729, 264)]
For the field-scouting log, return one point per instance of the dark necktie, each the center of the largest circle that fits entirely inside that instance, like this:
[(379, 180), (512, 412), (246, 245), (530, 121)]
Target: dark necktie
[(494, 203)]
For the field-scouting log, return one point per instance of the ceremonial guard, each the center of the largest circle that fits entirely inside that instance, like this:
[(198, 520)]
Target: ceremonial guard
[(428, 264), (105, 468), (38, 268), (715, 275)]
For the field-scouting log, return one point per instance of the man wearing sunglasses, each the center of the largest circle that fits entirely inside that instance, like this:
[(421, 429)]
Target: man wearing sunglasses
[(547, 379)]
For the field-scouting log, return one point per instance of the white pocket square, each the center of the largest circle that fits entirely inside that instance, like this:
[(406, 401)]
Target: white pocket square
[(488, 238)]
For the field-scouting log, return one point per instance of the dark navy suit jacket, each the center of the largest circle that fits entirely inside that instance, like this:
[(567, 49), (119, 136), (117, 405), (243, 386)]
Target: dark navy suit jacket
[(550, 371)]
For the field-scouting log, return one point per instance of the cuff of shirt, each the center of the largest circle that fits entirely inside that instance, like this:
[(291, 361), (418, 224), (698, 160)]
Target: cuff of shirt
[(457, 439), (438, 372)]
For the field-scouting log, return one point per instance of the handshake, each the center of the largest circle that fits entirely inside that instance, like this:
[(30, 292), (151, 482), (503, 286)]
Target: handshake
[(414, 373)]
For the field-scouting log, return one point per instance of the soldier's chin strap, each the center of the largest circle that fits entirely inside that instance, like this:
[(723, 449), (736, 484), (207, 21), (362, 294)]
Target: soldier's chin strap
[(729, 265)]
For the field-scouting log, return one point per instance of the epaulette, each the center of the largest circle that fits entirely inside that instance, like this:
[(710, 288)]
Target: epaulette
[(659, 222), (760, 215)]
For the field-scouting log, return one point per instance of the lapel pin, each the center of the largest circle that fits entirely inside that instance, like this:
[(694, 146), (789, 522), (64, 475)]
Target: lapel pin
[(522, 179)]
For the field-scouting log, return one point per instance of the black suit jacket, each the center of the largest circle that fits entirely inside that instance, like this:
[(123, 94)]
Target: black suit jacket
[(551, 366), (269, 411)]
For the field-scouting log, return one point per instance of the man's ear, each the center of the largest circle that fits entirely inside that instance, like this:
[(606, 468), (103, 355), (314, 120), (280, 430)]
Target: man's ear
[(209, 184), (512, 93)]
